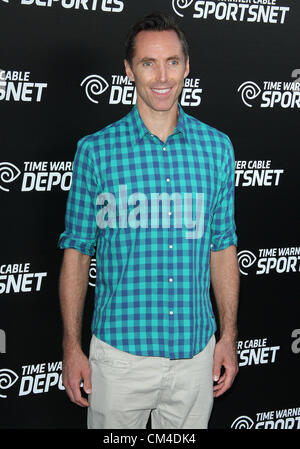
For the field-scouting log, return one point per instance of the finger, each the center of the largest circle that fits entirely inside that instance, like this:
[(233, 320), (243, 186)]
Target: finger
[(221, 378), (219, 383), (87, 385), (216, 370), (78, 398), (72, 387), (68, 388), (218, 392), (230, 373), (224, 383), (69, 393), (218, 388)]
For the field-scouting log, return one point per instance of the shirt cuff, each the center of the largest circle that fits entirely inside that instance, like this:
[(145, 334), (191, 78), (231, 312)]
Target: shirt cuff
[(83, 246), (223, 241)]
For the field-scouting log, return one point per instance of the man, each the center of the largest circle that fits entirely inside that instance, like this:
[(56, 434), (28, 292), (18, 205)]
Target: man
[(153, 346)]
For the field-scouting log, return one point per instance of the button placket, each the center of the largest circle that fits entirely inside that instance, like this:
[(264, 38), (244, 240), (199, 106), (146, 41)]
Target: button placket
[(170, 279)]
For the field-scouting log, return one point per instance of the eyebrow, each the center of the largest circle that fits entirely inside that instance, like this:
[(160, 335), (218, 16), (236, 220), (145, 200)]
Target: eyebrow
[(153, 59)]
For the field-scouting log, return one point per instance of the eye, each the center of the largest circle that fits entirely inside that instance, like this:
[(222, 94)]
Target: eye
[(147, 63), (173, 62)]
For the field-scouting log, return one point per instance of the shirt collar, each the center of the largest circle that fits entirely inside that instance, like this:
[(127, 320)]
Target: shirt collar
[(140, 129)]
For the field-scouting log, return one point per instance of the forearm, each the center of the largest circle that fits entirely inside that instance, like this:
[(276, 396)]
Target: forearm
[(225, 283), (73, 283)]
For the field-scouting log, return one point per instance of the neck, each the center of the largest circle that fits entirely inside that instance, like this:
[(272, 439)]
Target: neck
[(159, 123)]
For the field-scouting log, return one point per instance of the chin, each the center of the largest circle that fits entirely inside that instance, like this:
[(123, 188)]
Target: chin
[(163, 106)]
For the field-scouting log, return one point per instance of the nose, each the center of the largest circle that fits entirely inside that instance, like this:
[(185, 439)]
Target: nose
[(162, 75)]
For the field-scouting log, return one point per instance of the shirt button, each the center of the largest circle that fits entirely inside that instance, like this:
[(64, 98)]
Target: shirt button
[(211, 245), (171, 246), (170, 213), (164, 148), (171, 312), (170, 279), (168, 179)]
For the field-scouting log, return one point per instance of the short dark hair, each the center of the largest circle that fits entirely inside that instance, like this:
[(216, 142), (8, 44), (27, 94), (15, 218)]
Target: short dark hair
[(156, 21)]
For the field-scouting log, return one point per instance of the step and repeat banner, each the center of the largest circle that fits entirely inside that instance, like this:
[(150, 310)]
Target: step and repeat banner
[(61, 78)]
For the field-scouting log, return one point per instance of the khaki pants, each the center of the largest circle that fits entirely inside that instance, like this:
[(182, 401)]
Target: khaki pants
[(126, 388)]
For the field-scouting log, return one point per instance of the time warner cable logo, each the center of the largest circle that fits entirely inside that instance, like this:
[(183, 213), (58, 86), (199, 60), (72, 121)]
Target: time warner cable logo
[(105, 5), (34, 379), (270, 260), (260, 11), (273, 419), (123, 91), (94, 85), (272, 94), (37, 176)]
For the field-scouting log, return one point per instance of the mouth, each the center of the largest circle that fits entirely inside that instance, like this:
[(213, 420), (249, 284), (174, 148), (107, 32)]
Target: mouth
[(161, 91)]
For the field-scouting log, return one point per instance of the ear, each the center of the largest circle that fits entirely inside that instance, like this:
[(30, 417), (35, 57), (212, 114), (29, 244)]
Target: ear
[(187, 67), (128, 70)]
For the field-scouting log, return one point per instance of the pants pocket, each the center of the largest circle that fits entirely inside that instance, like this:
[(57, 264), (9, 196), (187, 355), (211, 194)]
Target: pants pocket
[(104, 354)]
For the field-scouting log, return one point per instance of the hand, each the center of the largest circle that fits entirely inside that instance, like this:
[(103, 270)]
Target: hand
[(76, 368), (225, 355)]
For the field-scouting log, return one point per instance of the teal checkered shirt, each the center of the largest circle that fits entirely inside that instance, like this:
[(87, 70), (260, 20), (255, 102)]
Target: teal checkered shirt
[(151, 212)]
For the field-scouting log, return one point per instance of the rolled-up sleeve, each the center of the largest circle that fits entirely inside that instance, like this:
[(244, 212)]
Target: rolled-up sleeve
[(223, 227), (80, 218)]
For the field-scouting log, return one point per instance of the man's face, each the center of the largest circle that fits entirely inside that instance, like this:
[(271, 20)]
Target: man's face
[(158, 69)]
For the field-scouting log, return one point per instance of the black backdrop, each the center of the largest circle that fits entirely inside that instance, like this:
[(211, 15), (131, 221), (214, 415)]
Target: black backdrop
[(62, 77)]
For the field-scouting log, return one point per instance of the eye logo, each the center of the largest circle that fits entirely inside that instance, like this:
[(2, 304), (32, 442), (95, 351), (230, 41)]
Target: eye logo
[(245, 260), (94, 86), (249, 90), (181, 4), (8, 173), (242, 422), (7, 379)]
